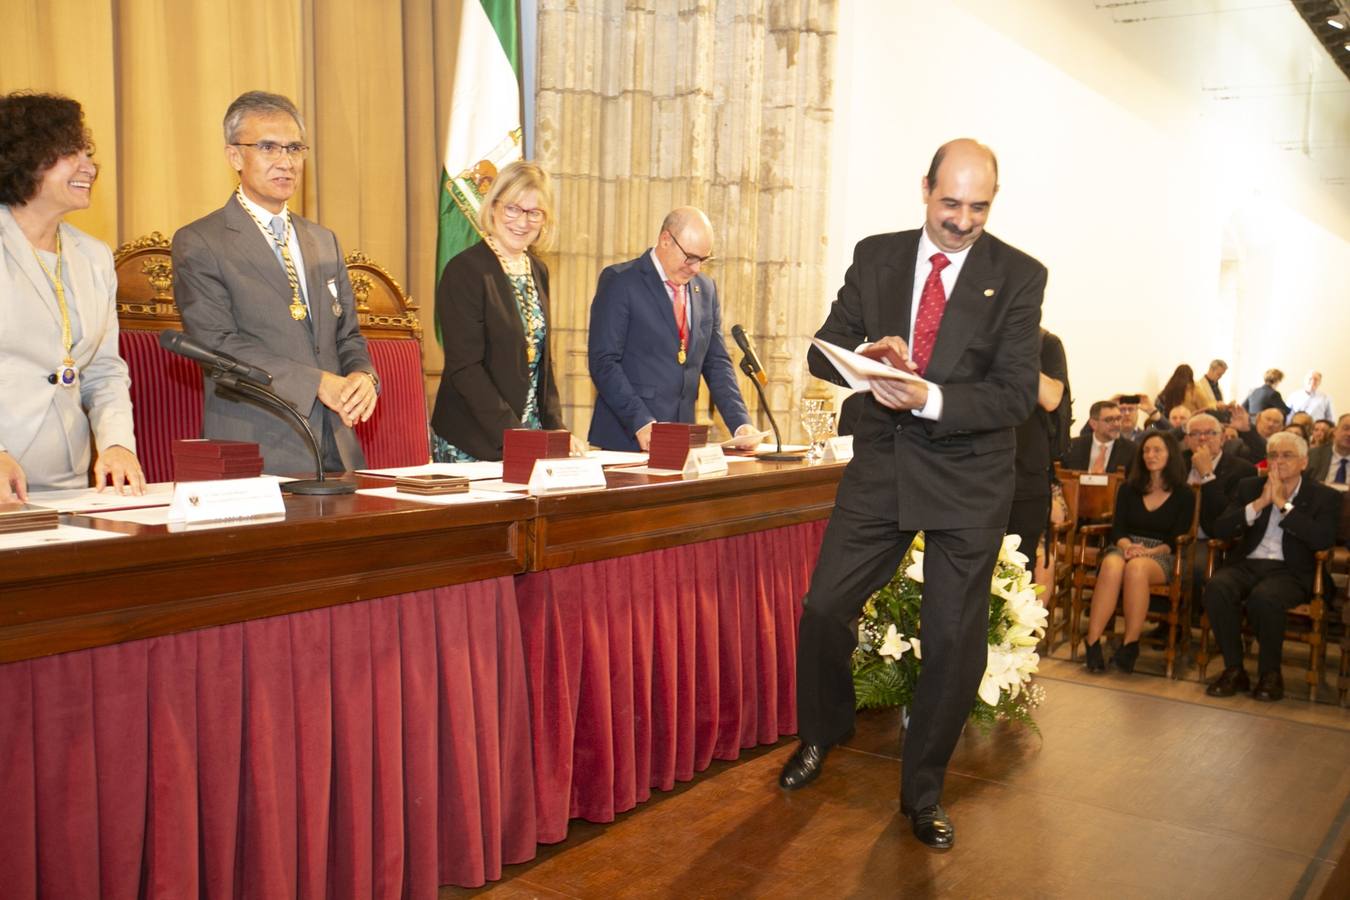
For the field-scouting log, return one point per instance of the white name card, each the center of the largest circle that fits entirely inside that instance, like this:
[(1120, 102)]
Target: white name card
[(232, 498), (570, 474), (1094, 480), (709, 460), (839, 449)]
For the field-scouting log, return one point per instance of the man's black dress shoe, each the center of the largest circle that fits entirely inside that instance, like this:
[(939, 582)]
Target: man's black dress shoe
[(1232, 680), (803, 766), (1269, 687), (932, 827)]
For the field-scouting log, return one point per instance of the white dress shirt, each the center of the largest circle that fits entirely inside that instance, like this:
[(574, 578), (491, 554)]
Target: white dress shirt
[(1272, 542), (264, 219)]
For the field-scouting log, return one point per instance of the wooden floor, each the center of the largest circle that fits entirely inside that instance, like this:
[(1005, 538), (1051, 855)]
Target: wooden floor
[(1136, 787)]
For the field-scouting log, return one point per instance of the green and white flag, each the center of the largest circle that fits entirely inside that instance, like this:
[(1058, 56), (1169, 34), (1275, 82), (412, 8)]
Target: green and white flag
[(484, 132)]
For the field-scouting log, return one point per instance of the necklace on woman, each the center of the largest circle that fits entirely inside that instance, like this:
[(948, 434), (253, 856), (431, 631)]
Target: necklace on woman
[(527, 303), (68, 372)]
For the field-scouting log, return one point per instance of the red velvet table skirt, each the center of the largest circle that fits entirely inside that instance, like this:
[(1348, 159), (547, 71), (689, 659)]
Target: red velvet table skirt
[(644, 668), (374, 749)]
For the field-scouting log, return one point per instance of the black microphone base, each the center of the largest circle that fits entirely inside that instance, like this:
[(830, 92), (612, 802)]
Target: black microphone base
[(781, 457), (326, 486)]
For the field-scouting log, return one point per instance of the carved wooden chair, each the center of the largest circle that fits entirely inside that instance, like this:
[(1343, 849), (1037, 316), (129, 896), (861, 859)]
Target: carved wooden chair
[(1059, 545), (166, 389), (1179, 594), (1096, 506)]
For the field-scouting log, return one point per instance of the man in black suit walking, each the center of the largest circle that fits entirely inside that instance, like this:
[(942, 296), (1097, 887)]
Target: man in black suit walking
[(961, 309)]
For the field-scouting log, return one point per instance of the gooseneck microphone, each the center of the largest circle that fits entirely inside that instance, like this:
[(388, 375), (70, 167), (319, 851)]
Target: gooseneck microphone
[(750, 366), (224, 363), (253, 382)]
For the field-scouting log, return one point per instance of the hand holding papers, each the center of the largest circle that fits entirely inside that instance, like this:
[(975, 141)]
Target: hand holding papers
[(860, 370)]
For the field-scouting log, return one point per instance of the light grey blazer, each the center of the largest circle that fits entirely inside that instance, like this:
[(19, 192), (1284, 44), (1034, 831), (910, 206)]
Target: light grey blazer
[(234, 297), (45, 426)]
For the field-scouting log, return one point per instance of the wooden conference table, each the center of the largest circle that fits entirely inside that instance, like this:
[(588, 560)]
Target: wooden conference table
[(375, 696)]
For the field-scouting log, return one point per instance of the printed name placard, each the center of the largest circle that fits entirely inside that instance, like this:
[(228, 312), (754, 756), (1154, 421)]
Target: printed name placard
[(709, 460), (1093, 480), (231, 498), (570, 474), (839, 449)]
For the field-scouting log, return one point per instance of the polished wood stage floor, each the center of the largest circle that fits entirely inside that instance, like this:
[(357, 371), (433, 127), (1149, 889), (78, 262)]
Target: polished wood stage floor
[(1137, 787)]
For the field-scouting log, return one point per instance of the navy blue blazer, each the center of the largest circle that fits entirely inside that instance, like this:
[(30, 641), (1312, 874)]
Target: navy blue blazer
[(633, 347)]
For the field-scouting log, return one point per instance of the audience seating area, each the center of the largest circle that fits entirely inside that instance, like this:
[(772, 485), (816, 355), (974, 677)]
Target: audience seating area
[(166, 389)]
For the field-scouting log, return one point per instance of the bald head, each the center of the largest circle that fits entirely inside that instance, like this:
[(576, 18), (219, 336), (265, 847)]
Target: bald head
[(684, 244), (1269, 421), (958, 191)]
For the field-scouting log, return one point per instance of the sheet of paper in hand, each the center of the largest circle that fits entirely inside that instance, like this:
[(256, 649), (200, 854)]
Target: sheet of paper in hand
[(859, 370)]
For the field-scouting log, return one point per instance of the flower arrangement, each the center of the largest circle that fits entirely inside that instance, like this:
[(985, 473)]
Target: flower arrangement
[(889, 656)]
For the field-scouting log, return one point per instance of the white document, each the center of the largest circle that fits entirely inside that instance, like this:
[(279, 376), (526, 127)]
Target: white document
[(839, 449), (746, 441), (474, 471), (617, 457), (859, 370), (787, 448), (89, 500), (703, 461), (473, 495), (61, 534), (232, 498)]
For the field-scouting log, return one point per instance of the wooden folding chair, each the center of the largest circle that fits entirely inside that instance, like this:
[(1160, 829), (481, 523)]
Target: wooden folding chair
[(1096, 504)]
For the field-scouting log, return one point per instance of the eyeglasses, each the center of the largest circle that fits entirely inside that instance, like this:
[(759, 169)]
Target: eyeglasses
[(1280, 455), (1110, 420), (689, 258), (272, 151), (511, 212), (1204, 434)]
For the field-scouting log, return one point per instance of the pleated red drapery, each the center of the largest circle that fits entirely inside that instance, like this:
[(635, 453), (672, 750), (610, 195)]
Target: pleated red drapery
[(366, 750), (645, 668)]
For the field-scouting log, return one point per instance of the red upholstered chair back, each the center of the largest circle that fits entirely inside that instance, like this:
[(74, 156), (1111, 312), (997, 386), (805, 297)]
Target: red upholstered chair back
[(166, 389)]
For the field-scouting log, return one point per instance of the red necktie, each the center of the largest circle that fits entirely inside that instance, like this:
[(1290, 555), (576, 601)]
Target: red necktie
[(932, 302), (681, 317)]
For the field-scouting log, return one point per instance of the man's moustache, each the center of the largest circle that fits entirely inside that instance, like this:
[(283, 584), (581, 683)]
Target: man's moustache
[(957, 231)]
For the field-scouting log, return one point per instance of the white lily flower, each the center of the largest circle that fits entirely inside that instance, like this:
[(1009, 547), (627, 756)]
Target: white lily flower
[(915, 570), (894, 645), (1009, 552)]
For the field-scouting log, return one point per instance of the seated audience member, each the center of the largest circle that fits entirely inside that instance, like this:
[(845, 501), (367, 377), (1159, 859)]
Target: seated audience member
[(1153, 507), (1328, 462), (1179, 391), (1303, 420), (1282, 519), (492, 301), (1267, 396), (1296, 428), (646, 357), (1177, 417), (1130, 405), (1322, 431), (1252, 437), (1104, 450), (67, 389), (1210, 466), (1308, 399), (1207, 391)]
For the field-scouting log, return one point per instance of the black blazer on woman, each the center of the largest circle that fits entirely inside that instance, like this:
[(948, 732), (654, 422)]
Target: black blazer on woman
[(486, 375)]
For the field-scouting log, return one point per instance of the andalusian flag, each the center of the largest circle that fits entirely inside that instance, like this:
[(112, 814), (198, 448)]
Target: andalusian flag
[(485, 131)]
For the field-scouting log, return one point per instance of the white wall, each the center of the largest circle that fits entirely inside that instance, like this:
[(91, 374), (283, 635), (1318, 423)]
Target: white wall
[(1123, 172)]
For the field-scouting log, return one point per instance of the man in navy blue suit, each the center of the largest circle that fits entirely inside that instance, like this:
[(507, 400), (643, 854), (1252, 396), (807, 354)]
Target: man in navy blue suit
[(655, 328)]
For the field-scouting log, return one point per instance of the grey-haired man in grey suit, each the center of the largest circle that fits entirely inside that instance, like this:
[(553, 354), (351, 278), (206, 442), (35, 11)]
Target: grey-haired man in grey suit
[(264, 285)]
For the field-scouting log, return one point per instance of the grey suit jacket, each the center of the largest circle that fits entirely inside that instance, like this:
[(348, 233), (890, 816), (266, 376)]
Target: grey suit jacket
[(1319, 462), (234, 297), (44, 425)]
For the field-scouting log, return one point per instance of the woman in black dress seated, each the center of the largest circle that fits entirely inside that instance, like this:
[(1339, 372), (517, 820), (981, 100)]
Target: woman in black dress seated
[(1153, 507)]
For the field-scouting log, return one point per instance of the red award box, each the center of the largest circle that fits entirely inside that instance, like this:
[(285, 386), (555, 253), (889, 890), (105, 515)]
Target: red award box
[(522, 446)]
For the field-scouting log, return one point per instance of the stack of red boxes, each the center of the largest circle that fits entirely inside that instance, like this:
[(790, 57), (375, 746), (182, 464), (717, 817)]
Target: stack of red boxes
[(672, 441), (199, 460), (522, 446)]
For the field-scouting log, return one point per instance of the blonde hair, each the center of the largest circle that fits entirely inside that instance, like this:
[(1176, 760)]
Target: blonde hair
[(507, 187)]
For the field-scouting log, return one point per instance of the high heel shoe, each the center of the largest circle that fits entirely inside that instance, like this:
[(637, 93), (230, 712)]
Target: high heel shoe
[(1125, 657), (1094, 659)]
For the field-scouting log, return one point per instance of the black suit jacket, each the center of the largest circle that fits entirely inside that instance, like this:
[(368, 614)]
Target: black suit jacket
[(486, 376), (956, 472), (1079, 454), (1309, 527), (1216, 494)]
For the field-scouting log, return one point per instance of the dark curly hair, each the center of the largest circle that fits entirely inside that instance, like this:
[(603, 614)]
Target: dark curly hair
[(1173, 474), (36, 130)]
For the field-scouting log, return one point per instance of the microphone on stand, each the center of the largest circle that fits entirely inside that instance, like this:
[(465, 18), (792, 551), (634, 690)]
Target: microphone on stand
[(251, 381), (750, 366)]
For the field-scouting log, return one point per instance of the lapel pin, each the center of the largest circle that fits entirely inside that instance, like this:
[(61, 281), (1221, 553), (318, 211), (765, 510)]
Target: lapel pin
[(989, 292), (695, 289)]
